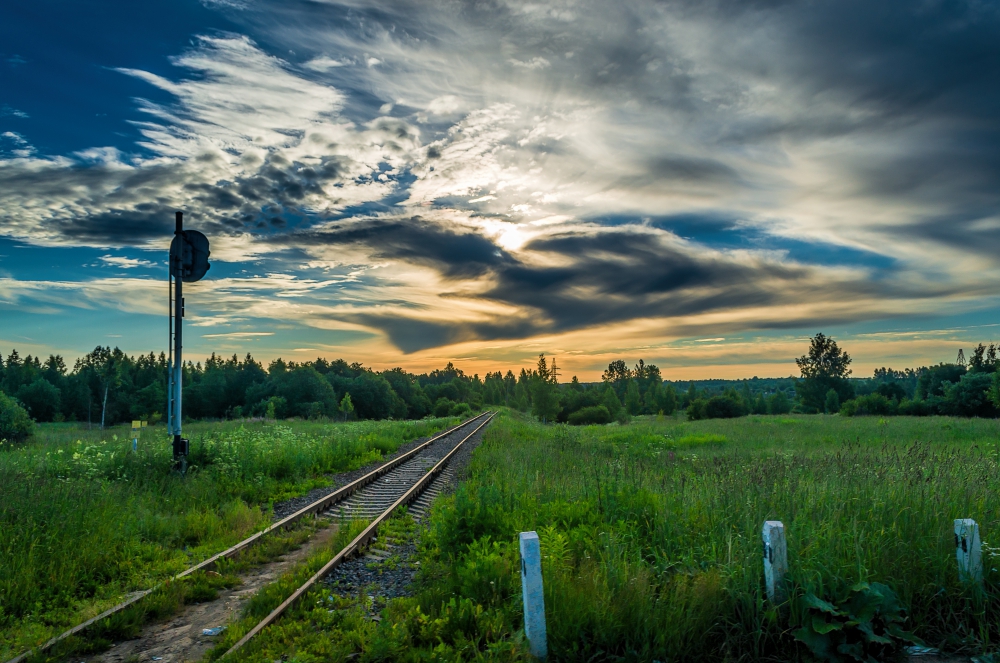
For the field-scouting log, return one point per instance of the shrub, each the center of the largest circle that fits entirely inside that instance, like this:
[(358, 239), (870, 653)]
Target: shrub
[(716, 407), (15, 424), (870, 404), (723, 407), (460, 409), (596, 414), (443, 407), (969, 397), (916, 408), (696, 410)]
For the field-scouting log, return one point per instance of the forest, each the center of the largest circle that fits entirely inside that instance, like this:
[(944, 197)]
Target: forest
[(107, 387)]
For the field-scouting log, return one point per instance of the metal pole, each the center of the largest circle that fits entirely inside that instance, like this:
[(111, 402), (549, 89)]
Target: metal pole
[(170, 345), (178, 361)]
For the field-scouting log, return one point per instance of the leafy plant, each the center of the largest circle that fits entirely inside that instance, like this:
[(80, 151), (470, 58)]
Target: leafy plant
[(865, 626)]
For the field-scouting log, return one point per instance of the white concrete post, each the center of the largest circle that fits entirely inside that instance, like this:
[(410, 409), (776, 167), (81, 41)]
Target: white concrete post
[(534, 598), (968, 550), (775, 560)]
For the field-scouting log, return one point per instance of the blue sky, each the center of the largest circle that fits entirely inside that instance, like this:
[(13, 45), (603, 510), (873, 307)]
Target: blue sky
[(703, 185)]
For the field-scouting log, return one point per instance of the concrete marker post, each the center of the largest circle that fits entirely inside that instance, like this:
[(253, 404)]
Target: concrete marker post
[(533, 595), (968, 550), (775, 560)]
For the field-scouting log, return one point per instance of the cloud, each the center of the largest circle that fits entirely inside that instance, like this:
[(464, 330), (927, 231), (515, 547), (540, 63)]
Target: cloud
[(125, 263), (19, 148), (323, 63), (238, 335), (7, 111), (478, 172)]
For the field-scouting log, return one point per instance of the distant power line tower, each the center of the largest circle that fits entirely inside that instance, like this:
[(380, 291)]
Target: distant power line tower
[(555, 371), (961, 358)]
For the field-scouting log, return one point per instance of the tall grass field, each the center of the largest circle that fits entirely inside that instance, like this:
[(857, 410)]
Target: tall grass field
[(651, 542), (651, 539), (84, 519)]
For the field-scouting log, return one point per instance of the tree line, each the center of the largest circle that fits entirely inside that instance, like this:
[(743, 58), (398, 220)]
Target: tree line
[(107, 386)]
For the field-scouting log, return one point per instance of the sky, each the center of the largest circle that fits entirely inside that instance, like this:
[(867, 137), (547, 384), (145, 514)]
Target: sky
[(700, 184)]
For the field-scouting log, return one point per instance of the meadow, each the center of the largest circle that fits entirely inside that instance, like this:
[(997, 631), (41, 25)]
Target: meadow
[(651, 544), (85, 520)]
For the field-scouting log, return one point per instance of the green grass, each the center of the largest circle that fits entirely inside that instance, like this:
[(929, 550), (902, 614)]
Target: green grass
[(651, 540), (85, 520)]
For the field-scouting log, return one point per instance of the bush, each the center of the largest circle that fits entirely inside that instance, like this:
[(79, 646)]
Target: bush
[(15, 424), (696, 410), (916, 408), (460, 409), (723, 407), (596, 414), (443, 407), (969, 397), (867, 405), (716, 407)]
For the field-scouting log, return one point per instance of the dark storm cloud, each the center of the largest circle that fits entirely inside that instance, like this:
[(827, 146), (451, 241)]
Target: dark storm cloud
[(690, 170), (586, 278), (452, 253)]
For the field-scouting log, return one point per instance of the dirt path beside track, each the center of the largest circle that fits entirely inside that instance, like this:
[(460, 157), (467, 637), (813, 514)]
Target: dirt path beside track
[(180, 638)]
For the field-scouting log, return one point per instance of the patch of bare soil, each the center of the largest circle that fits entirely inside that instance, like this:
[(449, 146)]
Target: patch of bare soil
[(180, 639)]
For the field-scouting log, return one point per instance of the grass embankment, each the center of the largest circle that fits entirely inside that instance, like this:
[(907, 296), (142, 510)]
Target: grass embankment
[(651, 540), (85, 520)]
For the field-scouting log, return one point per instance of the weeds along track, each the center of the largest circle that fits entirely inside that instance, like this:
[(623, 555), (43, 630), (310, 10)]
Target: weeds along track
[(413, 477), (407, 484)]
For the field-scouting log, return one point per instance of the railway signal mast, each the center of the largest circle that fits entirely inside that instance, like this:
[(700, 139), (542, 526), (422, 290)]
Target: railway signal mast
[(188, 263)]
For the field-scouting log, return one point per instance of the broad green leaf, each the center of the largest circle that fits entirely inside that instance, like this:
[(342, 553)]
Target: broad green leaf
[(823, 627), (814, 601)]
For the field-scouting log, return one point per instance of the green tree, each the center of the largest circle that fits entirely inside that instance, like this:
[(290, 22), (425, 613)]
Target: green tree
[(633, 400), (41, 399), (778, 403), (610, 401), (970, 396), (346, 408), (617, 375), (832, 405), (691, 395), (823, 368), (544, 392)]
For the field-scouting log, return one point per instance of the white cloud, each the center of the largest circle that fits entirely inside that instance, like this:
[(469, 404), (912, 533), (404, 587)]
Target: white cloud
[(323, 63), (537, 62), (125, 263)]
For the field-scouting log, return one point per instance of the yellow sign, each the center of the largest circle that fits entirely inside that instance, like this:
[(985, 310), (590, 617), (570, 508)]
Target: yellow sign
[(136, 425)]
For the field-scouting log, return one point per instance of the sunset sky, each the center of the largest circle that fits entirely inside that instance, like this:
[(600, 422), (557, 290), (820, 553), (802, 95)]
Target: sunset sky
[(700, 184)]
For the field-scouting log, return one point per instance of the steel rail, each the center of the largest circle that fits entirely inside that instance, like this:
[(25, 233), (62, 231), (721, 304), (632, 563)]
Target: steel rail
[(354, 546), (316, 507)]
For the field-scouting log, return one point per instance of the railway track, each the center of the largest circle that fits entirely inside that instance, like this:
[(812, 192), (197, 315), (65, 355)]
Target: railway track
[(416, 476), (406, 484)]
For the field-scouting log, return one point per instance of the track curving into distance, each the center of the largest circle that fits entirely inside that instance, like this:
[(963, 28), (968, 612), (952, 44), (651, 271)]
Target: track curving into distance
[(360, 495)]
